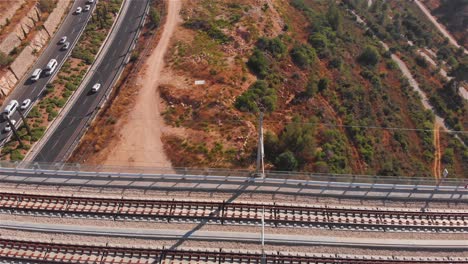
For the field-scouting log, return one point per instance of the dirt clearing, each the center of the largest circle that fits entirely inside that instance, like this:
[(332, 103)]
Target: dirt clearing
[(139, 142)]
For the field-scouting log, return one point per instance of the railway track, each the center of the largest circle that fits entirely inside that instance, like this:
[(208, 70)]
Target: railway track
[(18, 251), (278, 215)]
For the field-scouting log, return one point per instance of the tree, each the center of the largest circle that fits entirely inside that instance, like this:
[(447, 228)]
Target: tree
[(334, 16), (448, 157), (259, 95), (155, 18), (286, 161), (310, 89), (461, 71), (303, 55), (370, 56), (4, 59), (259, 64), (274, 46), (271, 143), (46, 5), (323, 84), (421, 61), (319, 41)]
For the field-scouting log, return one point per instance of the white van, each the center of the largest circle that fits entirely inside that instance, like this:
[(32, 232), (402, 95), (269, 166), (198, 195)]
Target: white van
[(10, 108), (50, 68), (36, 75)]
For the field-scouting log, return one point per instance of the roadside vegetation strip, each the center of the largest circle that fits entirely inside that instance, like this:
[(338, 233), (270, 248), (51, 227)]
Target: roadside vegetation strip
[(67, 80)]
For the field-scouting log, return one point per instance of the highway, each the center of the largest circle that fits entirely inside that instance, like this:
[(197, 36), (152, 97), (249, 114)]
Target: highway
[(72, 27), (113, 59)]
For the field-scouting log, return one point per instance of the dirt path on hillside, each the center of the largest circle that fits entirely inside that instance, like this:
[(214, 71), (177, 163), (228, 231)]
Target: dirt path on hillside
[(139, 141), (439, 26)]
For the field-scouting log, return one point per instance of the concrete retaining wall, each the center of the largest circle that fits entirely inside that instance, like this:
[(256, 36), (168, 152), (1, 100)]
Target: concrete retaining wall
[(7, 81), (10, 11), (29, 54), (21, 31), (53, 21)]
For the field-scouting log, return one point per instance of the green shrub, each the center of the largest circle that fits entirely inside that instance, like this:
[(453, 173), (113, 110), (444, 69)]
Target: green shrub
[(448, 157), (336, 63), (274, 46), (323, 84), (155, 17), (5, 59), (210, 28), (70, 86), (286, 161), (83, 54), (46, 5), (6, 150), (318, 41), (259, 95), (299, 4), (258, 63), (37, 133), (369, 57), (34, 113), (53, 114), (310, 89), (334, 16), (421, 61), (16, 155), (391, 65), (303, 55)]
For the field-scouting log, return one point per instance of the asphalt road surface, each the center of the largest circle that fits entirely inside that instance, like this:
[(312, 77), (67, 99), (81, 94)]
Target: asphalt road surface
[(113, 58), (71, 27)]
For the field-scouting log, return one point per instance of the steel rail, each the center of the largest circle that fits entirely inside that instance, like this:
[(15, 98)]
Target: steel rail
[(47, 252), (275, 214)]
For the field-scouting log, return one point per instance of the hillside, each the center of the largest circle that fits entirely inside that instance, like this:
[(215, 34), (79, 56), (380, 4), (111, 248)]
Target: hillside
[(334, 101), (454, 15)]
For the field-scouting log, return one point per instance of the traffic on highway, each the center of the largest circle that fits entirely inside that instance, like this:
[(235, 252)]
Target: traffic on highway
[(112, 59), (30, 88)]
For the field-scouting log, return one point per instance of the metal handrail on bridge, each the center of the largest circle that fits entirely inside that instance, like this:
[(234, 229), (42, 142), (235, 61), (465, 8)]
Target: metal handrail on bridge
[(283, 175)]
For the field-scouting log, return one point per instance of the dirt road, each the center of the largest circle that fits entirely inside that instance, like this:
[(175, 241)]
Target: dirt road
[(139, 141), (438, 26)]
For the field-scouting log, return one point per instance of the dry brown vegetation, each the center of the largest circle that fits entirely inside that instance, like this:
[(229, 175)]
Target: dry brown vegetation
[(326, 113), (219, 135)]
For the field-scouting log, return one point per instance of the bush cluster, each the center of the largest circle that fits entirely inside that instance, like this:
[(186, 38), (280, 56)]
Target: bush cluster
[(259, 96), (303, 55)]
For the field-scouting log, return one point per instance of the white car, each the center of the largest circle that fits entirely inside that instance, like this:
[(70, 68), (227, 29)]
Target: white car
[(78, 10), (36, 75), (8, 127), (63, 40), (87, 7), (96, 87), (25, 104), (66, 45)]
